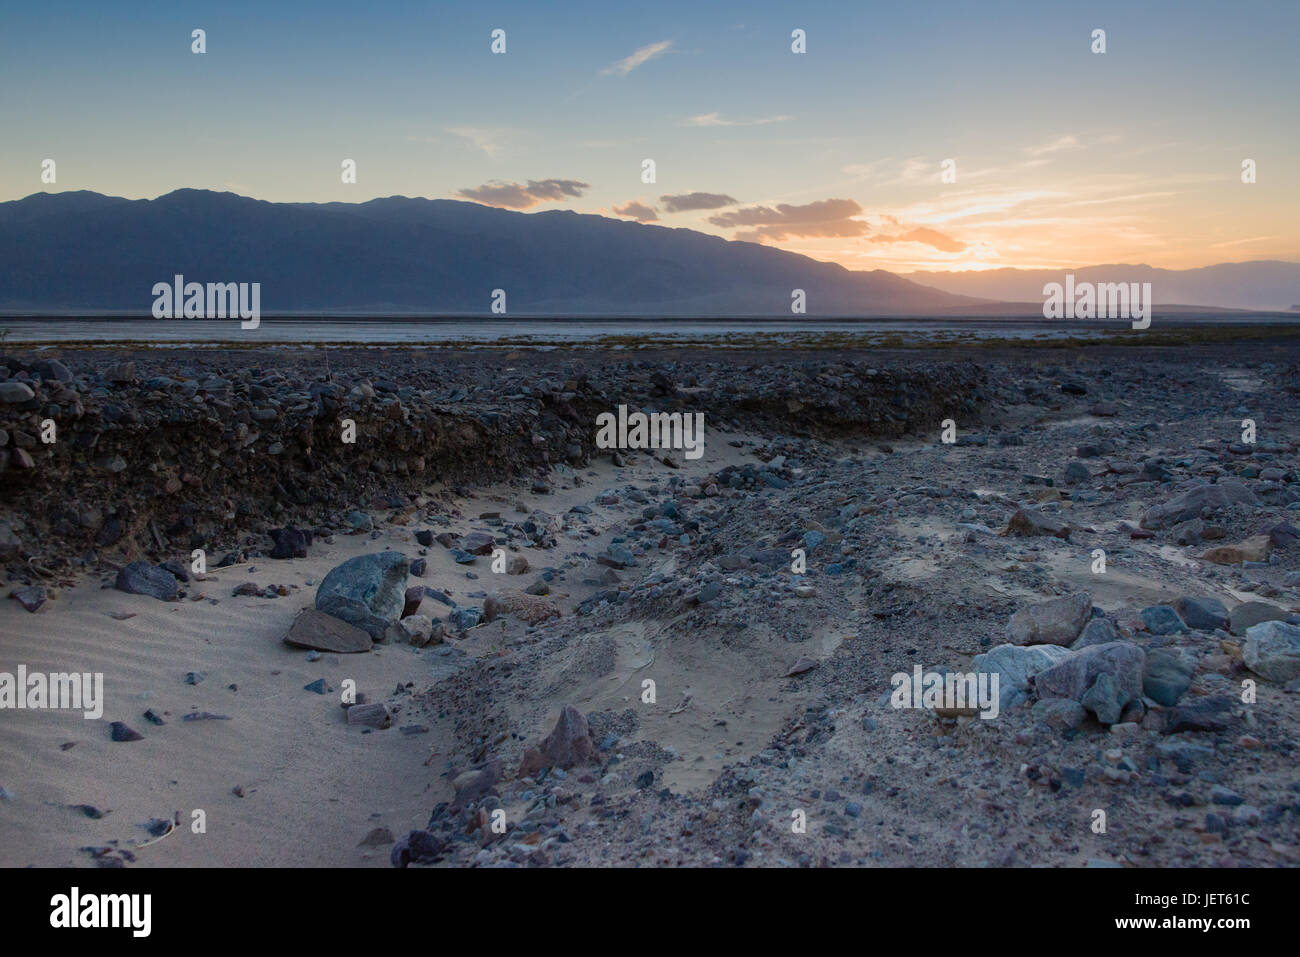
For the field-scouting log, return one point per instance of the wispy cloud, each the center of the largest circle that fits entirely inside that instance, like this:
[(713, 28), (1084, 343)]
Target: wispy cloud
[(717, 119), (929, 237), (490, 140), (1054, 146), (641, 57)]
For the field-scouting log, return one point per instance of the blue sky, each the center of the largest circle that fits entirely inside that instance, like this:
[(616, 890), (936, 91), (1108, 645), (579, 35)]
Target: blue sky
[(1062, 156)]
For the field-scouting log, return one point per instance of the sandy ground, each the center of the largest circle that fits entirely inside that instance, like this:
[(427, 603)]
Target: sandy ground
[(313, 787)]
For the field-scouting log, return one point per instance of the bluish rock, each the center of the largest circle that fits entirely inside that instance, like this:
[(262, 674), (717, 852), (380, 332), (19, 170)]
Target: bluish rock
[(368, 591), (1163, 620), (1167, 677), (141, 578), (1203, 614)]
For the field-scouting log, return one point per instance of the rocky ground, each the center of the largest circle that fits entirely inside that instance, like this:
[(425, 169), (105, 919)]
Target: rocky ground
[(617, 658)]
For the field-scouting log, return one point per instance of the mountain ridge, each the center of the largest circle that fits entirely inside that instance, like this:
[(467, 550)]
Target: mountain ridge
[(84, 250)]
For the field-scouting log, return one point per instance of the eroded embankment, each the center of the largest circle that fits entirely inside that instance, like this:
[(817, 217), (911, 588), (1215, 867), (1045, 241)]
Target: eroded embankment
[(155, 453)]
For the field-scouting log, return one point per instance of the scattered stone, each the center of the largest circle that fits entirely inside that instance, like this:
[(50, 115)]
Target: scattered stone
[(1248, 614), (1272, 650), (290, 542), (1055, 622), (1123, 664), (1203, 614), (367, 591), (374, 715), (1098, 631), (1162, 620), (32, 597), (418, 847), (1200, 497), (804, 664), (321, 632), (1167, 677), (1015, 665), (569, 744), (1207, 714), (121, 732), (1025, 522), (141, 578)]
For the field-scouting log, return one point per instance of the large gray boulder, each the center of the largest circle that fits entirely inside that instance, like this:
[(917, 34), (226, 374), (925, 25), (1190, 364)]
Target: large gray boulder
[(1272, 650), (368, 591), (1122, 662), (1055, 622), (1168, 676), (1191, 502), (1014, 666)]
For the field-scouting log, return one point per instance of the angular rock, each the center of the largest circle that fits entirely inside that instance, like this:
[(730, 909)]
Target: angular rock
[(616, 556), (1025, 522), (322, 632), (368, 591), (370, 716), (1207, 714), (121, 732), (32, 597), (1105, 699), (1198, 498), (569, 744), (290, 542), (1014, 666), (478, 543), (1272, 650), (1203, 614), (417, 630), (1098, 631), (1248, 614), (1123, 661), (1167, 677), (1163, 620), (141, 578), (1055, 622)]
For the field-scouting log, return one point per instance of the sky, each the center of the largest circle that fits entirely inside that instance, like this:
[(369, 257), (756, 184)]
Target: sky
[(1060, 156)]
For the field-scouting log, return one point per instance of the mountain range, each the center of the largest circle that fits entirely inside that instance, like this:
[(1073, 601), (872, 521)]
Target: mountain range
[(84, 251), (1263, 284)]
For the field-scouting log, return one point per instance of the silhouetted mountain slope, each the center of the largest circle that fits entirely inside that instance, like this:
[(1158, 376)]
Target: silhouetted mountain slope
[(82, 250)]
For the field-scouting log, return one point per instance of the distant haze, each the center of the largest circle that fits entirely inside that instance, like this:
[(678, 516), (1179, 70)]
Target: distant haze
[(1265, 285)]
